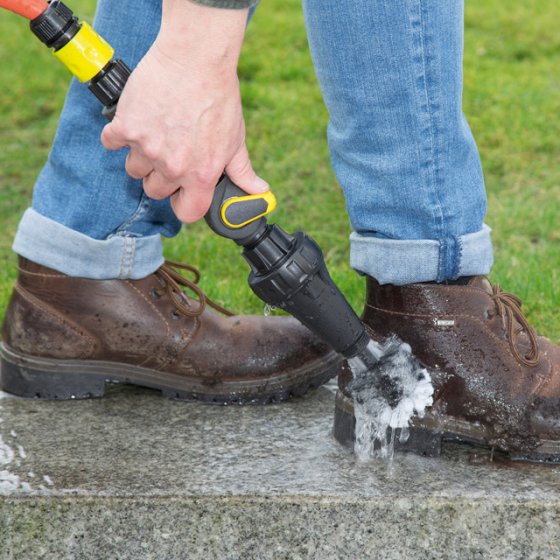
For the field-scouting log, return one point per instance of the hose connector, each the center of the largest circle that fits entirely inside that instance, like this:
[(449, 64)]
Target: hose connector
[(56, 26), (85, 53)]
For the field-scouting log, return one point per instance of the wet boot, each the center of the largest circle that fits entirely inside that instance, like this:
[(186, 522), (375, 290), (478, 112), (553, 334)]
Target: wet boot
[(65, 337), (497, 383)]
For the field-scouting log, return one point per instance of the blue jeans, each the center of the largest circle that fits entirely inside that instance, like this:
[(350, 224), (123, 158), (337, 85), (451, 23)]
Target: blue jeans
[(391, 76)]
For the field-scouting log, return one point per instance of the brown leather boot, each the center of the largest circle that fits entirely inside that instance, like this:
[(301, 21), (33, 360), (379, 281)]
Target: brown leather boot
[(497, 383), (64, 337)]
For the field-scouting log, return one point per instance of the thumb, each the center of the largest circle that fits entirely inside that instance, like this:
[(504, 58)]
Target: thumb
[(241, 172), (111, 138)]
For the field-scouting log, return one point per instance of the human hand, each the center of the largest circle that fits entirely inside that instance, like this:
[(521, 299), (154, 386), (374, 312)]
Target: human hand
[(180, 112)]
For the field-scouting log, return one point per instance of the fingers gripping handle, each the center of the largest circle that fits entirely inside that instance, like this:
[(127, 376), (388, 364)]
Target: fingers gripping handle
[(236, 215), (233, 213)]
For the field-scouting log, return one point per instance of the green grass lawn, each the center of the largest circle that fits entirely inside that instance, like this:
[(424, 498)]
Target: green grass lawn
[(512, 98)]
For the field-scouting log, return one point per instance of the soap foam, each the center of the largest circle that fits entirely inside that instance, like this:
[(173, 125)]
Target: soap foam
[(11, 483), (388, 387)]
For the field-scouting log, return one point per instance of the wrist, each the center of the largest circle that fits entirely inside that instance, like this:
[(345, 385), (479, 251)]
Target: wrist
[(199, 35)]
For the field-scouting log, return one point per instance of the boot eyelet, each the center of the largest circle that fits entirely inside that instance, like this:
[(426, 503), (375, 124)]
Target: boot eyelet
[(175, 315), (155, 293)]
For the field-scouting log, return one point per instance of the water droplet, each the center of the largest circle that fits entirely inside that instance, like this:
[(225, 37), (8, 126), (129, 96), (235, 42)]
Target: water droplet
[(404, 435), (268, 309), (391, 450)]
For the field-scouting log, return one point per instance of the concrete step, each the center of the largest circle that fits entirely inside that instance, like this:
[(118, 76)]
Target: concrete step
[(137, 476)]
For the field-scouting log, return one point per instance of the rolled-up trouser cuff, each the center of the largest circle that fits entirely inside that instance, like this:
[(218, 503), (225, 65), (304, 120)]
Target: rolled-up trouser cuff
[(51, 244), (396, 261)]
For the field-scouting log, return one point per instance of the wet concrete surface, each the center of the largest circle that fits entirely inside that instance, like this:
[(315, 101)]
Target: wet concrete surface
[(134, 475)]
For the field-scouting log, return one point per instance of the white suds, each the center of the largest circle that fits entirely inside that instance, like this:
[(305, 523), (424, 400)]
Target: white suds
[(6, 453), (11, 483), (388, 391)]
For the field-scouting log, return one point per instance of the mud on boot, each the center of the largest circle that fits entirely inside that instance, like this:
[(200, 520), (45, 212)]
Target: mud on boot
[(497, 383), (65, 337)]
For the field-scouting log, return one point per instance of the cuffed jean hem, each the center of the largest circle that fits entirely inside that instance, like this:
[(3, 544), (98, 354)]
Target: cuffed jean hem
[(396, 261), (56, 246)]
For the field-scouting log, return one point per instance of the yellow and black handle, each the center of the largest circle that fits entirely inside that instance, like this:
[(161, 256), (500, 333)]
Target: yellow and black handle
[(234, 213)]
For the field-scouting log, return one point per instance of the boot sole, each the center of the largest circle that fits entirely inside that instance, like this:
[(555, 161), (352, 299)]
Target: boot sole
[(48, 378), (428, 434)]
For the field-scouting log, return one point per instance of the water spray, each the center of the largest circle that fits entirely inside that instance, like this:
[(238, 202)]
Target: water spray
[(288, 271)]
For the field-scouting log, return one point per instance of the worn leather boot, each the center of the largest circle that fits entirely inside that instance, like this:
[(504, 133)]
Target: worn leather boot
[(497, 383), (65, 337)]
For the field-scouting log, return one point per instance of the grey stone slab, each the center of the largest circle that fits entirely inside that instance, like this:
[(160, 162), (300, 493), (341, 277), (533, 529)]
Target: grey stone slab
[(134, 475)]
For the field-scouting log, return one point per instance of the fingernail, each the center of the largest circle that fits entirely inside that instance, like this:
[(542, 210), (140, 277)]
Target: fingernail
[(261, 185)]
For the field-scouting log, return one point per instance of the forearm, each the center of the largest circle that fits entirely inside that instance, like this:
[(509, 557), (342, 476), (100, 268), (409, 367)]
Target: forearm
[(199, 36), (180, 112)]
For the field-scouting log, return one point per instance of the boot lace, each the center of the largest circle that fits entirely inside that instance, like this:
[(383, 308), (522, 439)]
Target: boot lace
[(508, 307), (173, 282)]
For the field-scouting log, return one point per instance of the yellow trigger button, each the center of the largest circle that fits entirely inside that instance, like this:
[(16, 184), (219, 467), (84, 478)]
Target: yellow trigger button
[(239, 211)]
